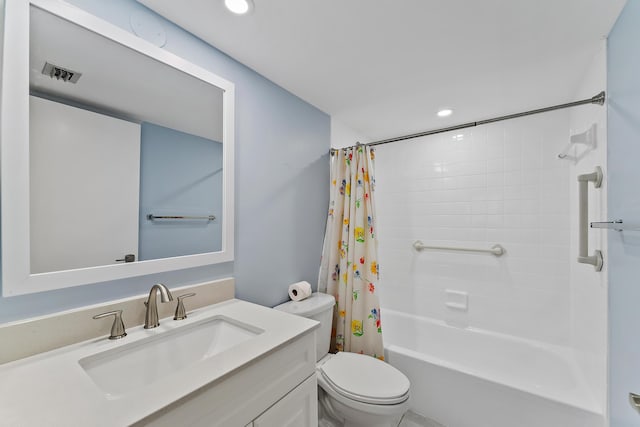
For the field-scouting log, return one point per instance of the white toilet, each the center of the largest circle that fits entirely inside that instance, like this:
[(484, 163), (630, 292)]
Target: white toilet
[(353, 390)]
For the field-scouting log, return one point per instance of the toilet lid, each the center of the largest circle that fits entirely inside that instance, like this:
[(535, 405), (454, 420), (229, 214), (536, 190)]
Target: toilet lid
[(365, 379)]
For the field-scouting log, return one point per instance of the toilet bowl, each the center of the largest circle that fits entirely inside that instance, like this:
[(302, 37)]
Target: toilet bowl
[(354, 390), (362, 391)]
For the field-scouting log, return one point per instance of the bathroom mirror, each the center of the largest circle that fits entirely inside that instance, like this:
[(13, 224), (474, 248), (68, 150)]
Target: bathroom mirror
[(116, 155)]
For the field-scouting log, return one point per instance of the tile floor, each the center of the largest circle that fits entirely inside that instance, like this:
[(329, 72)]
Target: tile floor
[(411, 419)]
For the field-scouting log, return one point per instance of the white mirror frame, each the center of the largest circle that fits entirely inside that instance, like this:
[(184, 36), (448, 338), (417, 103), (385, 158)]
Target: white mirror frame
[(14, 156)]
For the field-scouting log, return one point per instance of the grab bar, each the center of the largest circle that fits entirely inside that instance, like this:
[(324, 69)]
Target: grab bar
[(152, 217), (496, 249), (583, 221)]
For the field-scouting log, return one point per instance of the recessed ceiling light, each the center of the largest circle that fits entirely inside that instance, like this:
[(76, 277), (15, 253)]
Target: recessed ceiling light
[(445, 112), (239, 7)]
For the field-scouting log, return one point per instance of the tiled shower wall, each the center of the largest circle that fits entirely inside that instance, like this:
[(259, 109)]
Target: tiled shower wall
[(500, 183)]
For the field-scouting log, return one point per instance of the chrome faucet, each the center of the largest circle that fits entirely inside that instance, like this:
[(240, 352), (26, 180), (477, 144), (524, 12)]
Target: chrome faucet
[(151, 317)]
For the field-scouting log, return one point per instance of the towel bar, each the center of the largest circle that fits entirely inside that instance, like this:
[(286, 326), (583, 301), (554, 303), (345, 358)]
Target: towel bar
[(152, 217), (617, 225)]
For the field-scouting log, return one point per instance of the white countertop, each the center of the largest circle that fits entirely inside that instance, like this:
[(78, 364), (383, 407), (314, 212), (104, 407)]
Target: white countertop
[(52, 388)]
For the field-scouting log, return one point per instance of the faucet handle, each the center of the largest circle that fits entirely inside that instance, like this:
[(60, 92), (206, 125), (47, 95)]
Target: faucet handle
[(117, 329), (181, 313)]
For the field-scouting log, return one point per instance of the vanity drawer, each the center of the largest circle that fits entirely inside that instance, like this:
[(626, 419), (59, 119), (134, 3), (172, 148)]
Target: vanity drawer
[(299, 408)]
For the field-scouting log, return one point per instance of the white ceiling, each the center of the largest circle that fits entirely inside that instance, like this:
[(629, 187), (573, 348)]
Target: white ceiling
[(144, 91), (384, 67)]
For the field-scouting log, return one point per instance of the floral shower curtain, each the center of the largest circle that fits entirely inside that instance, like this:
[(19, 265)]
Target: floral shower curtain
[(349, 268)]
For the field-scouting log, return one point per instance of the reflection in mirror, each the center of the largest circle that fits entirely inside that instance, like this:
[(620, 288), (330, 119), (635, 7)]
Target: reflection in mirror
[(117, 155), (116, 136)]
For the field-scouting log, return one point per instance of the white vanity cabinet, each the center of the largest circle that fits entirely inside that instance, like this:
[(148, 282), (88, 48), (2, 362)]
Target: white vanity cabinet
[(231, 364), (278, 389)]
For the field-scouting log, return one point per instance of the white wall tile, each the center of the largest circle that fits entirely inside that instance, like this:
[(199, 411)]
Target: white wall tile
[(463, 194), (500, 183)]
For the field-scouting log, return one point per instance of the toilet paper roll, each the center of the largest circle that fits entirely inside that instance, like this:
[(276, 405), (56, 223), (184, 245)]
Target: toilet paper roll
[(299, 291)]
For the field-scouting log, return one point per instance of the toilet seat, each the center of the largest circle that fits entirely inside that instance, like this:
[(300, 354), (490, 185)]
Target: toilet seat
[(363, 379)]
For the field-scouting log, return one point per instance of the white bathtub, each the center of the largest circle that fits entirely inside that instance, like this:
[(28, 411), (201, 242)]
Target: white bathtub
[(474, 378)]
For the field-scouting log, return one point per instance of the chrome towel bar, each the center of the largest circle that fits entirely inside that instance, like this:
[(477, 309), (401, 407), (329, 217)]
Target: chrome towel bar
[(152, 217), (496, 249), (617, 225)]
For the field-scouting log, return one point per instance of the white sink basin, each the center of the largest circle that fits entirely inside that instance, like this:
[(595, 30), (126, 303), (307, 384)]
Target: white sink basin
[(130, 367)]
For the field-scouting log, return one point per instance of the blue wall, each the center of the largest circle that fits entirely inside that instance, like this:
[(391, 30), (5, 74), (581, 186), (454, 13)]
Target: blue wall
[(281, 187), (180, 174), (623, 74)]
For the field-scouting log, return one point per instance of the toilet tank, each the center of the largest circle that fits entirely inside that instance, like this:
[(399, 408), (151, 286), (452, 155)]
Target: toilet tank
[(317, 307)]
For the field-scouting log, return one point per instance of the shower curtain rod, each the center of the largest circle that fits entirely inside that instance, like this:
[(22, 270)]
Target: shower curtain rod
[(597, 99)]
